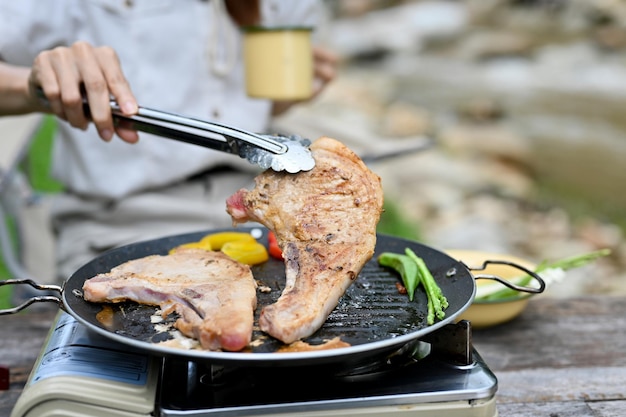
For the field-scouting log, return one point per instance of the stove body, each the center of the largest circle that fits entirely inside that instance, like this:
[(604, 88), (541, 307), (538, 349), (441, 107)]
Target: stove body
[(79, 373)]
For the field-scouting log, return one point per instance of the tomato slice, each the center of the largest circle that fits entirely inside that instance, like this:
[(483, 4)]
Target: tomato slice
[(273, 248)]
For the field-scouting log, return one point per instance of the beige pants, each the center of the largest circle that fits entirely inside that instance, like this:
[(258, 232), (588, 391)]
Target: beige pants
[(85, 227)]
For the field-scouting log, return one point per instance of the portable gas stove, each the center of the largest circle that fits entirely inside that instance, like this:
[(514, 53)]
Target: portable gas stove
[(80, 373)]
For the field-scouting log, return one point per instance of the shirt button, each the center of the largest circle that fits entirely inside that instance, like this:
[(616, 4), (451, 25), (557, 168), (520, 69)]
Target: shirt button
[(216, 113), (128, 3)]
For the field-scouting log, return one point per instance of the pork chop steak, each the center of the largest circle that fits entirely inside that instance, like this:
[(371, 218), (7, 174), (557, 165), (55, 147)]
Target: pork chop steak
[(325, 223), (214, 295)]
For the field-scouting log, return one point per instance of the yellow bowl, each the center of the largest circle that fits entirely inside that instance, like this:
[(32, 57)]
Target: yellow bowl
[(484, 314)]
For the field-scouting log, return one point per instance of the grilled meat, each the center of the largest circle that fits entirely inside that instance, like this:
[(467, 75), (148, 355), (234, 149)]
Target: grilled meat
[(214, 295), (325, 223)]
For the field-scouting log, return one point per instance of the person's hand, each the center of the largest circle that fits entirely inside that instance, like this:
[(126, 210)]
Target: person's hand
[(324, 71), (65, 74)]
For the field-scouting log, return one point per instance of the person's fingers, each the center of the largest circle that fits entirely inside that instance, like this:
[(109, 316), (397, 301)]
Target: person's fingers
[(42, 76), (126, 132), (127, 135), (119, 88), (325, 72), (69, 79), (324, 68), (96, 89), (325, 63), (69, 76), (116, 81)]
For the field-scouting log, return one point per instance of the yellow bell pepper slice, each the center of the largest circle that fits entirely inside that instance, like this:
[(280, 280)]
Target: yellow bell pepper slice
[(196, 245), (250, 253), (217, 240)]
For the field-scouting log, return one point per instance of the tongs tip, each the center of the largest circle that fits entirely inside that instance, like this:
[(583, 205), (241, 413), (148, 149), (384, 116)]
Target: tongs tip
[(297, 157)]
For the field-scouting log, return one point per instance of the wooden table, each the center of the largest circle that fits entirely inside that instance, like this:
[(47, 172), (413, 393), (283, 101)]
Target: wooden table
[(562, 357)]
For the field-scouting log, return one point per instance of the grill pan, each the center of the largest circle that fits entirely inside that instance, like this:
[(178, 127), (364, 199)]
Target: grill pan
[(372, 316)]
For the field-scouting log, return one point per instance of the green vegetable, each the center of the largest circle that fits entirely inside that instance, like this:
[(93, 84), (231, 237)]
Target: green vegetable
[(406, 267), (413, 271), (437, 302), (547, 268)]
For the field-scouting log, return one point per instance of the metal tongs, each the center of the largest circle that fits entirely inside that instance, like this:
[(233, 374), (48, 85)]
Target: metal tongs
[(280, 153)]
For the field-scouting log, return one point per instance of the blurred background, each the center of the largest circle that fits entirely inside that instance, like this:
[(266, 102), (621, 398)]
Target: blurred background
[(495, 124)]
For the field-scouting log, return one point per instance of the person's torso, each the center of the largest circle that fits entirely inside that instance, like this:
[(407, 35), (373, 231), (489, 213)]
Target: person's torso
[(182, 56)]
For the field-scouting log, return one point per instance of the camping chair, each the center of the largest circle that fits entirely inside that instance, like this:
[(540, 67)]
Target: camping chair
[(26, 240)]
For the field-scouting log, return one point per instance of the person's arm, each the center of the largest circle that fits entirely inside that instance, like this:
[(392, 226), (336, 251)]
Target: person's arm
[(14, 94), (65, 74)]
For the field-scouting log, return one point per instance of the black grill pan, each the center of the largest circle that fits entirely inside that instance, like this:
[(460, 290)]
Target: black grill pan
[(373, 317)]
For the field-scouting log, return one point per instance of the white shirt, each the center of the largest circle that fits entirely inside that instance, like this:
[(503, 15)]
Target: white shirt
[(173, 53)]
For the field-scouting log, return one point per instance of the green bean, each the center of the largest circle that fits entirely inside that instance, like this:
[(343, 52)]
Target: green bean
[(437, 301), (405, 267), (413, 271)]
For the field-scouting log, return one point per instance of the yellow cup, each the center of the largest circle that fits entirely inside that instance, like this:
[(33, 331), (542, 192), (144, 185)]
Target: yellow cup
[(279, 63)]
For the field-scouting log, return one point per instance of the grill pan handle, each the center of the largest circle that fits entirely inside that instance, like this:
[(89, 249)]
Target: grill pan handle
[(35, 299), (521, 288)]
